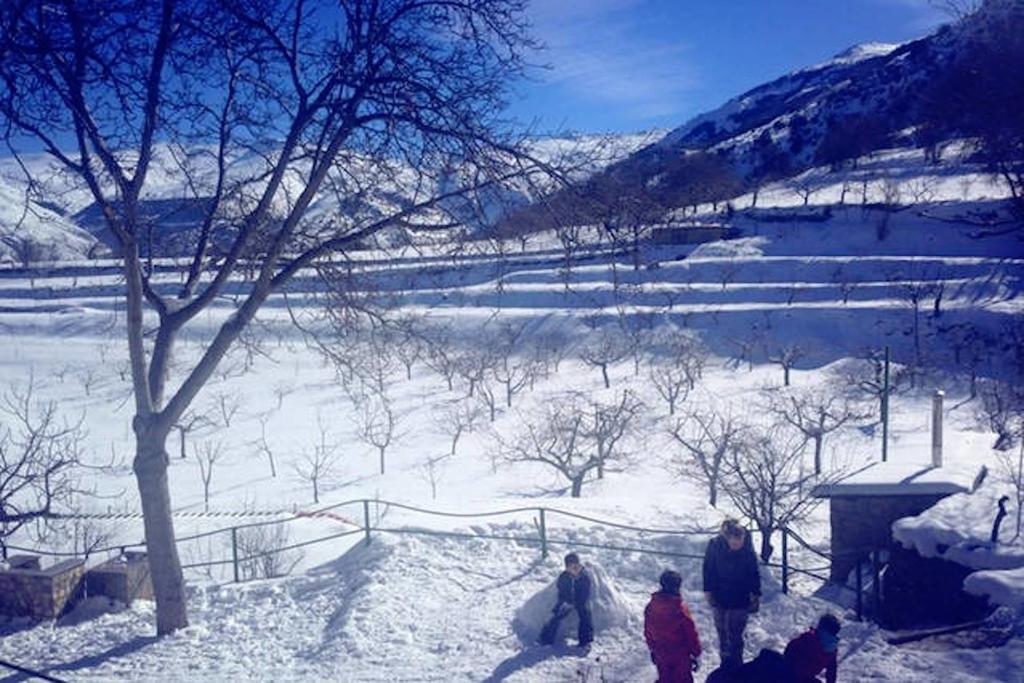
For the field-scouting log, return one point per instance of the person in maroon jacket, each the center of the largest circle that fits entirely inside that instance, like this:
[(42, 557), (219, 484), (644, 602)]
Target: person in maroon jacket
[(670, 632), (814, 651)]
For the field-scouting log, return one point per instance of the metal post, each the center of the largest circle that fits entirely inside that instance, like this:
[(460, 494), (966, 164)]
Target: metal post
[(877, 597), (234, 551), (860, 592), (366, 520), (785, 561), (543, 535), (885, 409)]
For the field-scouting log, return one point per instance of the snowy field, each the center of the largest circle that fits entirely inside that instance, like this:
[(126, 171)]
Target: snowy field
[(418, 607)]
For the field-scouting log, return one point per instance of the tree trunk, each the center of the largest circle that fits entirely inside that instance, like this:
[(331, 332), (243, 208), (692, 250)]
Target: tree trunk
[(604, 374), (766, 545), (164, 565), (381, 459), (508, 394), (785, 375), (577, 487)]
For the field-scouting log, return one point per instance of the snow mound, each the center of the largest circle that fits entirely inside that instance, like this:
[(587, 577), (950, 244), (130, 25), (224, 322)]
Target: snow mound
[(746, 247), (607, 604)]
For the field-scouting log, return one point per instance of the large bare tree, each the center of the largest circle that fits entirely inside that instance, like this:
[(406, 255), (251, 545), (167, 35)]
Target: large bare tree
[(260, 108)]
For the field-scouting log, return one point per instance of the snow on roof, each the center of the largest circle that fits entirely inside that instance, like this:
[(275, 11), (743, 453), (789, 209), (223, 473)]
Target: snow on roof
[(958, 529), (902, 478)]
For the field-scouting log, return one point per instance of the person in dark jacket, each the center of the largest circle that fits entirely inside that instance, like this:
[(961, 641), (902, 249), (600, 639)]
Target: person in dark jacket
[(732, 588), (573, 594), (768, 667), (815, 651), (670, 632)]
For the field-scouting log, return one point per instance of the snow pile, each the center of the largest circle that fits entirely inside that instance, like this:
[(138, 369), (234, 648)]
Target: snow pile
[(1002, 587), (607, 605)]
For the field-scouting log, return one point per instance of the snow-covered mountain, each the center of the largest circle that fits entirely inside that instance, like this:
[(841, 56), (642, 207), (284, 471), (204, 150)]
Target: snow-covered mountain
[(870, 97), (61, 221)]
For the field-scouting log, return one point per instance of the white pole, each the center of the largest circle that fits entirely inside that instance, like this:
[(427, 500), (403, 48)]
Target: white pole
[(937, 428)]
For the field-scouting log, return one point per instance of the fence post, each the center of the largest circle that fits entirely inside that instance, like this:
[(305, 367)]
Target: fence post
[(543, 534), (860, 591), (234, 551), (366, 519), (785, 561)]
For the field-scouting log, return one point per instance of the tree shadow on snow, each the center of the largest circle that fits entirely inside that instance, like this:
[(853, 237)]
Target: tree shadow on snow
[(90, 661), (525, 659)]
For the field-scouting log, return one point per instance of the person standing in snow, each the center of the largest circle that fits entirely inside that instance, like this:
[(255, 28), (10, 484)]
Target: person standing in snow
[(573, 594), (815, 651), (670, 632), (732, 588)]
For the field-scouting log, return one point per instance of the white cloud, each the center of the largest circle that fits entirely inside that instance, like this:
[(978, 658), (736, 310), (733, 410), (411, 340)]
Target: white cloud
[(602, 51)]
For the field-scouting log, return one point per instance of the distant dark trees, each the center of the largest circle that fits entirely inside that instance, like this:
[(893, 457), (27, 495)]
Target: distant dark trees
[(633, 194), (847, 139), (980, 94)]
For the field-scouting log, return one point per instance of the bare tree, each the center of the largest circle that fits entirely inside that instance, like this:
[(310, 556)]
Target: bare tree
[(433, 472), (604, 347), (553, 437), (745, 349), (815, 413), (264, 552), (227, 404), (263, 445), (914, 289), (189, 422), (440, 356), (377, 424), (1002, 409), (458, 418), (207, 454), (260, 109), (281, 390), (513, 369), (805, 186), (865, 378), (408, 345), (766, 481), (671, 382), (40, 457), (787, 357), (707, 436), (319, 464), (606, 425)]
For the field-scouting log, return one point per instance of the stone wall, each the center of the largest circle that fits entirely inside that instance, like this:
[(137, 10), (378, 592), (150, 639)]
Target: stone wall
[(123, 579), (861, 524), (41, 593)]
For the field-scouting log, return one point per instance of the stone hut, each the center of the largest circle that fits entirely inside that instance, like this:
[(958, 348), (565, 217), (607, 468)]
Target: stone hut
[(864, 505)]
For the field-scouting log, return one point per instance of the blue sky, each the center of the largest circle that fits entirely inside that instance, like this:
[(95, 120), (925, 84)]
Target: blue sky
[(627, 65)]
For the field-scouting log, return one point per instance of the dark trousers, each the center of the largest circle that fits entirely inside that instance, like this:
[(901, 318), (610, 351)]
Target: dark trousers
[(675, 671), (586, 629), (730, 624)]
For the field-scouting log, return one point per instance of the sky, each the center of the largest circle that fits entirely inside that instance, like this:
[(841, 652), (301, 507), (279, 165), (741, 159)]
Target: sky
[(631, 65)]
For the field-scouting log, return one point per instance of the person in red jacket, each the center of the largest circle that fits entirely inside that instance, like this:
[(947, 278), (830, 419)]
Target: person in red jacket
[(814, 651), (670, 632)]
